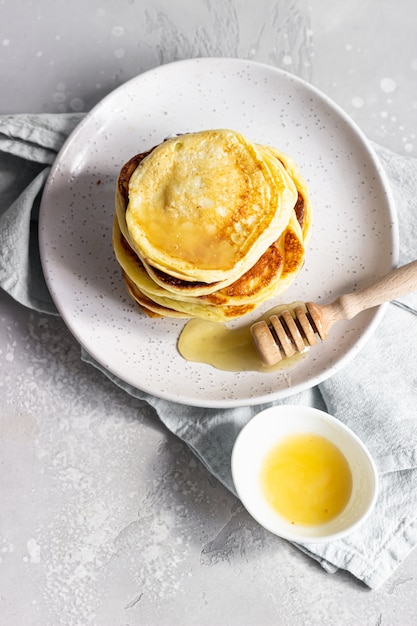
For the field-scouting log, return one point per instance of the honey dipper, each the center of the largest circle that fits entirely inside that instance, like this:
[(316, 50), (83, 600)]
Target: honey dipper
[(285, 334)]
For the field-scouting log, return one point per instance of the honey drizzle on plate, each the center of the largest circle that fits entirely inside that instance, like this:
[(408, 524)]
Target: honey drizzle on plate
[(229, 349)]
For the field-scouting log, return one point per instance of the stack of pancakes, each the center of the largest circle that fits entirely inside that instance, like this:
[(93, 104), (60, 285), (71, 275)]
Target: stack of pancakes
[(209, 225)]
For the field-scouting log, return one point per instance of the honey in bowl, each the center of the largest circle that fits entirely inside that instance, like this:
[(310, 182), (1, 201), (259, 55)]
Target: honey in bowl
[(303, 474), (306, 479)]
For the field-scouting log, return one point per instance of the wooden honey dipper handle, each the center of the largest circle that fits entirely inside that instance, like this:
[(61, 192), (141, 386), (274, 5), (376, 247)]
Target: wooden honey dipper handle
[(396, 283), (280, 339)]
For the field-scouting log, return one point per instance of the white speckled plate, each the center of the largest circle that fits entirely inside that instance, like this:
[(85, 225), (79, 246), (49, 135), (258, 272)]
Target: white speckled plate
[(353, 237)]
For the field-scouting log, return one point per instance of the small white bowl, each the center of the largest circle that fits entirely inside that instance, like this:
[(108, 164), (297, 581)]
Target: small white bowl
[(263, 432)]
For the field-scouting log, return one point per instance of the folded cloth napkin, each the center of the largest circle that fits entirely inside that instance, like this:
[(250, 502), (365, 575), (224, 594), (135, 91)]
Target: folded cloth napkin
[(375, 395)]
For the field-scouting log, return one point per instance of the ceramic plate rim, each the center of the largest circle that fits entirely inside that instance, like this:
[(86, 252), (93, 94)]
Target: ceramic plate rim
[(224, 400)]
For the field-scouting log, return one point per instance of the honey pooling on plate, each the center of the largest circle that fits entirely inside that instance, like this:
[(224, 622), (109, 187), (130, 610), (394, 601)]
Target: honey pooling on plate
[(306, 479), (229, 349)]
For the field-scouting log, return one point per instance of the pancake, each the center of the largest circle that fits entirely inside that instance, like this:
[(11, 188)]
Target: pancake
[(302, 206), (204, 206), (209, 225), (271, 274)]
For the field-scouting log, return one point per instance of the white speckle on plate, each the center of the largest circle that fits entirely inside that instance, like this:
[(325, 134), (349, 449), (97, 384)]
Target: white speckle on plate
[(119, 53), (6, 42)]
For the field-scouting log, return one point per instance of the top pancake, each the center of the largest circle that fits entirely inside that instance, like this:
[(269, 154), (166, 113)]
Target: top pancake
[(205, 206)]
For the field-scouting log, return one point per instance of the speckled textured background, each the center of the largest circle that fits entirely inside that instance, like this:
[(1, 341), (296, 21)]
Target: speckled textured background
[(361, 54), (106, 519)]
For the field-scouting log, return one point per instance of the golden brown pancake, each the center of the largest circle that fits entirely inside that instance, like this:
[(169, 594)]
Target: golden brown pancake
[(209, 205), (204, 206)]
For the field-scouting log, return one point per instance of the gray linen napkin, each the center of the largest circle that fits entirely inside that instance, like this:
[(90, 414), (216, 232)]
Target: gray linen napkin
[(375, 394)]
